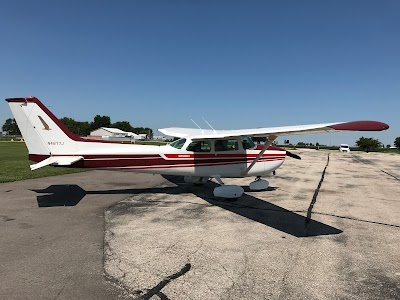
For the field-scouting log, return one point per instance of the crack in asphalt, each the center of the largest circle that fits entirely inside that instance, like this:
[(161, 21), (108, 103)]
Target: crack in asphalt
[(368, 162), (62, 289), (314, 199), (109, 256), (6, 218), (296, 256), (157, 289), (359, 220), (390, 175)]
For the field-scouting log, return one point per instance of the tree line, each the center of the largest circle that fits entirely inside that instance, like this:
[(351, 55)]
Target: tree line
[(84, 128), (365, 144)]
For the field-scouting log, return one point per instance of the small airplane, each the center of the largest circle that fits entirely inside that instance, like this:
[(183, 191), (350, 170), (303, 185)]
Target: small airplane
[(198, 154)]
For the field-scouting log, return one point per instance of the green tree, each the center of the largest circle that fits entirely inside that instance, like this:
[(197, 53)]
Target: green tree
[(11, 127), (145, 130), (367, 144), (397, 142), (100, 121), (76, 127), (84, 128), (123, 125)]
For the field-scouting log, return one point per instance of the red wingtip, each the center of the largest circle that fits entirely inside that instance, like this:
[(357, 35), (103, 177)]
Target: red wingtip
[(361, 126)]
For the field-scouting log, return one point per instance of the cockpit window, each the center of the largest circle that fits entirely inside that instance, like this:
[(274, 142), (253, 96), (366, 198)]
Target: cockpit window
[(178, 144), (199, 146), (226, 145), (247, 142)]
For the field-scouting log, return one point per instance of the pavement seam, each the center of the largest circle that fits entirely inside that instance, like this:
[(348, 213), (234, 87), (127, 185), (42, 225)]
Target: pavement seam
[(359, 220), (390, 175), (314, 199), (367, 162), (283, 291)]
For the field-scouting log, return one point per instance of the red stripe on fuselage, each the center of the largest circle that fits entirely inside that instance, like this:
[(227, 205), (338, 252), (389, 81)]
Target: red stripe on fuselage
[(191, 165), (218, 155), (151, 160)]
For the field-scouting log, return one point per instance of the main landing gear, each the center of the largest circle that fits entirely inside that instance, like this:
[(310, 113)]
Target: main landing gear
[(228, 191), (235, 191)]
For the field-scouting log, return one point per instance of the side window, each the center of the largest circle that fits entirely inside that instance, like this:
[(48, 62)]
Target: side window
[(247, 142), (199, 146), (226, 145)]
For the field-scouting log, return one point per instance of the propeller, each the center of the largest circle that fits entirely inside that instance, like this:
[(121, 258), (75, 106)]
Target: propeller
[(288, 153)]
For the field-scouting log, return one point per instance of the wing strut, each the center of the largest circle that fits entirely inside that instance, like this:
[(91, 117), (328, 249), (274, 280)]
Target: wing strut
[(268, 143)]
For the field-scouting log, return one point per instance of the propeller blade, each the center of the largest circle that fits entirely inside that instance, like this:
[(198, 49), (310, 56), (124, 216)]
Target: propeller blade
[(288, 153)]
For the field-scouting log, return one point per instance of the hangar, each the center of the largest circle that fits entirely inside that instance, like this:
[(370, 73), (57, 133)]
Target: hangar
[(106, 132)]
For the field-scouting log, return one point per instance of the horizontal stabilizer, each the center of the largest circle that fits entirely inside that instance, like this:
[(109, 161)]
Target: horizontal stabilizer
[(57, 160)]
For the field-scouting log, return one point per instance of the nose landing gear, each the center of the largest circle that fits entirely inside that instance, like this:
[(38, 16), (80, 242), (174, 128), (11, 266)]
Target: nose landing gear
[(259, 184)]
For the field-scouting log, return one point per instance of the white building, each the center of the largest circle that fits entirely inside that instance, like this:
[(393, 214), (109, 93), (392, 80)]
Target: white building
[(136, 136), (159, 138), (107, 133), (142, 136)]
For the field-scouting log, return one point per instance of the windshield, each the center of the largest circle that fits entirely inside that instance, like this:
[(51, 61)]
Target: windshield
[(178, 144)]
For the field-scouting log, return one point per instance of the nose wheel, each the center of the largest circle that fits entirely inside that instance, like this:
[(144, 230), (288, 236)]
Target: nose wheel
[(259, 184)]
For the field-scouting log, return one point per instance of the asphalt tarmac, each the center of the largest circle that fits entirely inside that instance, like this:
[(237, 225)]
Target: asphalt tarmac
[(328, 227), (52, 235)]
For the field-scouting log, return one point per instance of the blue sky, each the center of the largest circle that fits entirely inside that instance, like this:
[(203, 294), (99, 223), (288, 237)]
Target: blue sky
[(238, 64)]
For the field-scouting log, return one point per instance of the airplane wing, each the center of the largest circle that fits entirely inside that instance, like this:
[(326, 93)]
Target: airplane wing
[(275, 131)]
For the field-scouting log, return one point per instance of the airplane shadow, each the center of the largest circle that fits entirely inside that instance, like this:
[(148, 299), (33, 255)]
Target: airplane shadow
[(247, 206)]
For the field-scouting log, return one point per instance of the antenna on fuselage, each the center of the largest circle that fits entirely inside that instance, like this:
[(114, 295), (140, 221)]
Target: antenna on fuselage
[(209, 124), (202, 131)]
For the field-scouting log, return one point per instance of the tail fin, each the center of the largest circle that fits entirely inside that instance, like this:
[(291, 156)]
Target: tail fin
[(43, 133)]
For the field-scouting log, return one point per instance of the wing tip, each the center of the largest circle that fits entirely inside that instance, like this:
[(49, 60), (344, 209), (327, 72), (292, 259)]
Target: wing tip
[(361, 126)]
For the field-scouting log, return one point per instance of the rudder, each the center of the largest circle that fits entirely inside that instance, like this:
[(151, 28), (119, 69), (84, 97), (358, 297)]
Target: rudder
[(43, 133)]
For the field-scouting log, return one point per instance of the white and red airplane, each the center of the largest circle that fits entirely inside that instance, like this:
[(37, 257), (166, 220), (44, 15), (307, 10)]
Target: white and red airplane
[(198, 155)]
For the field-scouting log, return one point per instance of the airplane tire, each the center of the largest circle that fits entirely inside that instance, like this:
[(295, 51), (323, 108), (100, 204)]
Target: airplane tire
[(228, 192)]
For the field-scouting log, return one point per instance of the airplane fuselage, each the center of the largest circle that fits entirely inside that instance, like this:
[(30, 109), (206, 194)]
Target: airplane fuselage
[(168, 160)]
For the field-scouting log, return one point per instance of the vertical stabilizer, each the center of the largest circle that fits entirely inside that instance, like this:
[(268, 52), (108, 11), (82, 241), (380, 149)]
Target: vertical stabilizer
[(43, 133)]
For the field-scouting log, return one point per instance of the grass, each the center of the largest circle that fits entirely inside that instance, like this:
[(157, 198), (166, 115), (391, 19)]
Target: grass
[(14, 164)]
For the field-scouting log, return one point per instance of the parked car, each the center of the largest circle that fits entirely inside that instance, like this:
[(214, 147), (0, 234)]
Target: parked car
[(344, 148)]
